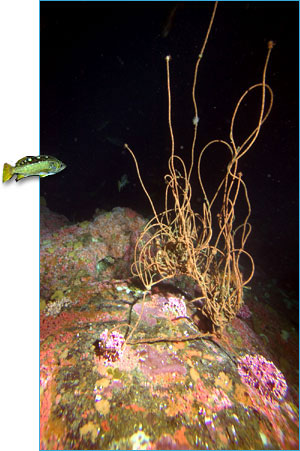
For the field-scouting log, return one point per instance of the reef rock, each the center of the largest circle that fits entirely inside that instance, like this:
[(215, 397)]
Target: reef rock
[(174, 393)]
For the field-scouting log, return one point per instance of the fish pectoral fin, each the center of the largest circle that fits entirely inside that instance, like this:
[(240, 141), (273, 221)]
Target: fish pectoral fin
[(20, 176)]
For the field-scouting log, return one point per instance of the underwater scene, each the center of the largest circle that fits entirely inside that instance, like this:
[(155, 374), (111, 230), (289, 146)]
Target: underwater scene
[(169, 315)]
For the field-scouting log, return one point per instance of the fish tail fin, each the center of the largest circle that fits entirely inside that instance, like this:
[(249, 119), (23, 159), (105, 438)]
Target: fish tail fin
[(8, 172)]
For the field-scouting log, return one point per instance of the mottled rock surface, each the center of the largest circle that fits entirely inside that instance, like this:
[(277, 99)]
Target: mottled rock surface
[(157, 395)]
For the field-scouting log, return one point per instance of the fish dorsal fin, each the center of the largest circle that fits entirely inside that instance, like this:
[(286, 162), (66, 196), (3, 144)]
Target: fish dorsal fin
[(26, 160)]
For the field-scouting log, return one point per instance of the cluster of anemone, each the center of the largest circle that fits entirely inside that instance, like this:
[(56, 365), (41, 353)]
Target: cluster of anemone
[(263, 376), (176, 306), (244, 312), (111, 346)]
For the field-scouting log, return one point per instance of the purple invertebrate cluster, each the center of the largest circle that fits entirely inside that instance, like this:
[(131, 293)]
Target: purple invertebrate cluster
[(176, 306), (110, 346), (244, 312), (263, 376)]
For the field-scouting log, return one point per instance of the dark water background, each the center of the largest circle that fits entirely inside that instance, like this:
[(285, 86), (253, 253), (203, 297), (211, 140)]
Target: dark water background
[(103, 83)]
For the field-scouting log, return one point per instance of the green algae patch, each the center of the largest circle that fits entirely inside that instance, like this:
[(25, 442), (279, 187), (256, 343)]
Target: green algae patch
[(84, 224), (77, 245), (58, 295), (116, 373)]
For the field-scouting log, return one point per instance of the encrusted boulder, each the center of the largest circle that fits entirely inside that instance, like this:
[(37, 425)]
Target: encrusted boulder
[(176, 393)]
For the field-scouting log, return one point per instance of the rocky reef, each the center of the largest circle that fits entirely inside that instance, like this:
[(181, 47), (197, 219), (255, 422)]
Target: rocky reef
[(238, 391)]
